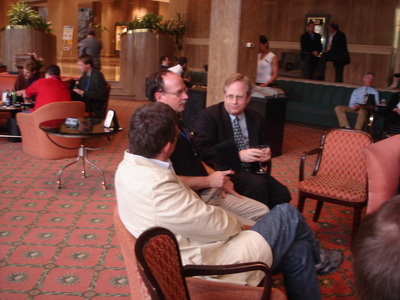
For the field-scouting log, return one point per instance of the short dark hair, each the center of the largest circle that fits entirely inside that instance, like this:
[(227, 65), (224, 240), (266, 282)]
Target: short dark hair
[(155, 83), (311, 22), (162, 58), (376, 253), (151, 127), (334, 25), (369, 73), (86, 59), (90, 32), (53, 70), (182, 60), (238, 77), (263, 39)]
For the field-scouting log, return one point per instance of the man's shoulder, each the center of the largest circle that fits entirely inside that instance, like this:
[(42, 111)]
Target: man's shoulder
[(214, 109)]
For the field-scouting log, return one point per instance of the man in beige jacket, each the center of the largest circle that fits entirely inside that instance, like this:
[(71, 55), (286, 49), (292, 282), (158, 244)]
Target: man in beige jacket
[(150, 194)]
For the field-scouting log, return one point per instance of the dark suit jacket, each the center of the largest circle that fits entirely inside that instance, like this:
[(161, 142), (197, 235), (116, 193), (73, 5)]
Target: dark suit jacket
[(309, 45), (214, 128), (96, 94), (339, 54)]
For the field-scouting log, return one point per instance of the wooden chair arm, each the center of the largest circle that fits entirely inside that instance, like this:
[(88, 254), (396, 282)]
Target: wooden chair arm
[(203, 270), (303, 160)]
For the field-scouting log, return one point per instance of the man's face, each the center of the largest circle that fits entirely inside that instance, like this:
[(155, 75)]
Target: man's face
[(166, 62), (236, 99), (311, 28), (29, 74), (82, 67), (175, 92), (368, 79)]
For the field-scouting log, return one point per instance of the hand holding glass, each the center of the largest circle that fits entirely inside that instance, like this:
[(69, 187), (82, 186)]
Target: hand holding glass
[(262, 169)]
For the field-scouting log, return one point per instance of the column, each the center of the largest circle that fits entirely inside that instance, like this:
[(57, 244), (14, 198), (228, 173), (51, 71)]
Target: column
[(233, 24), (108, 21), (64, 13)]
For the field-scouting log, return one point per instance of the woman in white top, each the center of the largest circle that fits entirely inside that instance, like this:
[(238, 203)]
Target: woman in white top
[(267, 64)]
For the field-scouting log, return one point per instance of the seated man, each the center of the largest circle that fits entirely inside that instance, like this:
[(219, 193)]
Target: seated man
[(47, 90), (181, 70), (359, 96), (376, 250), (164, 62), (207, 234), (92, 87), (29, 75), (237, 130), (214, 187)]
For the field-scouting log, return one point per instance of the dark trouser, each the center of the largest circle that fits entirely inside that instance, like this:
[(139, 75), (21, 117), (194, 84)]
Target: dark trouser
[(261, 187), (295, 250), (310, 62), (321, 67)]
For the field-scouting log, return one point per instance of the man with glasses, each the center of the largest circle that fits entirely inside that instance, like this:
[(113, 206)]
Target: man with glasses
[(229, 133), (214, 187)]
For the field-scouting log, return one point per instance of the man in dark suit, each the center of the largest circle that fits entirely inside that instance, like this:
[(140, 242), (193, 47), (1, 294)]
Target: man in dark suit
[(311, 47), (392, 112), (226, 135), (338, 54), (92, 87)]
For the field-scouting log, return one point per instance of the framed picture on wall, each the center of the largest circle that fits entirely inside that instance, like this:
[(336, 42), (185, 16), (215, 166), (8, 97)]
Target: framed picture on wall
[(321, 26)]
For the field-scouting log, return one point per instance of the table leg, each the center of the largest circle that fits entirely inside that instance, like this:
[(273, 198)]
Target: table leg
[(82, 154)]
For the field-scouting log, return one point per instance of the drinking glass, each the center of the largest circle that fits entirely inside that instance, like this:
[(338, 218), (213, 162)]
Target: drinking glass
[(262, 170)]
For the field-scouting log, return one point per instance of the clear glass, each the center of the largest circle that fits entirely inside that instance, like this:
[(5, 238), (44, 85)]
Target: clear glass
[(262, 169)]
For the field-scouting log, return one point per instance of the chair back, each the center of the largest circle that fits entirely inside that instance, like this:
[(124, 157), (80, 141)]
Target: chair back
[(342, 153), (383, 167), (160, 264), (127, 242)]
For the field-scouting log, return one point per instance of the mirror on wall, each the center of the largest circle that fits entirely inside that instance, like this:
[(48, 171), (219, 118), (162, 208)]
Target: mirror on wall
[(321, 26)]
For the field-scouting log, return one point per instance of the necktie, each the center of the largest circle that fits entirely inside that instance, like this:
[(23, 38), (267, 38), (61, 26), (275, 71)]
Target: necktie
[(239, 141), (366, 95), (87, 83)]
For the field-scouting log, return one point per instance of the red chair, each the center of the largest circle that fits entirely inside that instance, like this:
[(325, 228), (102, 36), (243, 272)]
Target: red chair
[(340, 174), (177, 284)]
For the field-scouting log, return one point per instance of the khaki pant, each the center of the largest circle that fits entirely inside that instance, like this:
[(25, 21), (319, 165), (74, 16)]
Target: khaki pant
[(341, 111)]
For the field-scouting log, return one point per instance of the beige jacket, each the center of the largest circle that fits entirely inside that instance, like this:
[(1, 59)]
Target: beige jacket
[(149, 195)]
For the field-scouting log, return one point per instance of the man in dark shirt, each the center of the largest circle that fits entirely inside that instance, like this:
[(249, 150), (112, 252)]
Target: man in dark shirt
[(311, 47)]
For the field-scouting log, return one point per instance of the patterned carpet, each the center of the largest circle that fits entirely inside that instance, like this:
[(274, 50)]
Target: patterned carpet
[(60, 244)]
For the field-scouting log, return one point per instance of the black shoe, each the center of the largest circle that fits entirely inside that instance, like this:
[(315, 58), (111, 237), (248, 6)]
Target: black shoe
[(330, 262)]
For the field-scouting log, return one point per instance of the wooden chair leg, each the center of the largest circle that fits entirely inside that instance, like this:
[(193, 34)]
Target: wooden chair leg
[(318, 210), (301, 201)]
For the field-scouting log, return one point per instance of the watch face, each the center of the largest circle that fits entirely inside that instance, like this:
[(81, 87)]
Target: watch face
[(109, 118)]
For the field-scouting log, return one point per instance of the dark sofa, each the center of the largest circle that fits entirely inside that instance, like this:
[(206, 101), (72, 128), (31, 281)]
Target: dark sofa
[(313, 102)]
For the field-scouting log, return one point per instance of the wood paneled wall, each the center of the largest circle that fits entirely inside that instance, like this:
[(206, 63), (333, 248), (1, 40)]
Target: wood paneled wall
[(369, 26)]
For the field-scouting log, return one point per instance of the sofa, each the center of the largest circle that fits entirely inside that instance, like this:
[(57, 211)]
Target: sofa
[(313, 102)]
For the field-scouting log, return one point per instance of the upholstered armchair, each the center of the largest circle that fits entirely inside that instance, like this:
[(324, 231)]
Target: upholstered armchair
[(196, 288), (383, 166), (36, 143), (340, 174)]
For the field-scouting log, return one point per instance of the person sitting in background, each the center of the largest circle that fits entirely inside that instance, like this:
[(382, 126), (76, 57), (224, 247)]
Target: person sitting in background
[(311, 47), (47, 90), (181, 70), (267, 64), (164, 62), (91, 88), (359, 96), (150, 194), (376, 251), (392, 113), (29, 75)]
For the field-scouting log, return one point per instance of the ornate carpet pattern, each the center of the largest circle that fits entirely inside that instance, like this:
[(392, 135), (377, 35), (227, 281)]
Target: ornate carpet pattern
[(60, 243)]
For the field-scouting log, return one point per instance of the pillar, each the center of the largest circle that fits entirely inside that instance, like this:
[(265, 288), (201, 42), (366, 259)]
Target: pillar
[(108, 21), (233, 25), (64, 13)]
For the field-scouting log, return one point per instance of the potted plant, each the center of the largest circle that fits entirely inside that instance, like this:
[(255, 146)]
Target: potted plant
[(22, 14)]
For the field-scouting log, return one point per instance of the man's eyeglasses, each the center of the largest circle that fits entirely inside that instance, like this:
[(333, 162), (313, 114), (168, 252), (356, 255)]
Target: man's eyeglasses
[(232, 97), (178, 93)]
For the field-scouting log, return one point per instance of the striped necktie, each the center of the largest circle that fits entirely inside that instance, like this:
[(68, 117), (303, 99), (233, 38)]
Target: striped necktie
[(239, 141)]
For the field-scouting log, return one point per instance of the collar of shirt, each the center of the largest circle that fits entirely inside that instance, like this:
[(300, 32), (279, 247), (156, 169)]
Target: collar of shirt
[(163, 164), (243, 125)]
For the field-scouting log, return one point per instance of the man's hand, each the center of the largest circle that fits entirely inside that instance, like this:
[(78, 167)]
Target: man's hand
[(315, 53), (219, 178), (396, 110), (229, 188), (254, 155), (78, 91), (355, 107)]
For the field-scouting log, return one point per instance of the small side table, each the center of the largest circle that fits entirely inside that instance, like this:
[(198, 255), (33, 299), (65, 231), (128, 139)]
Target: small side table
[(88, 128)]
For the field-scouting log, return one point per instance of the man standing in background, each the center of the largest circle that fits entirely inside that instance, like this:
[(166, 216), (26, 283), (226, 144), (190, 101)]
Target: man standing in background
[(92, 46), (311, 48)]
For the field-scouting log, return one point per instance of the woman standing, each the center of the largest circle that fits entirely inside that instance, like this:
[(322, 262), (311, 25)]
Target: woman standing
[(267, 64)]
